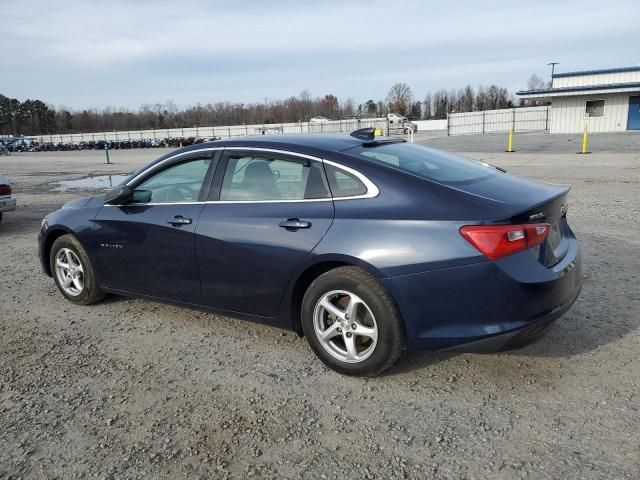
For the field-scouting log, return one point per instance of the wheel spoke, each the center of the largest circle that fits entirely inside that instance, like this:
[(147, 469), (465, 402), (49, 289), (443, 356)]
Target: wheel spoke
[(364, 331), (67, 281), (332, 309), (352, 308), (76, 282), (72, 259), (61, 264), (330, 332), (350, 343)]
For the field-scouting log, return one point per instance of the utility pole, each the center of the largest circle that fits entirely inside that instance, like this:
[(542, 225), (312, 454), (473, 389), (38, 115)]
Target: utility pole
[(553, 69)]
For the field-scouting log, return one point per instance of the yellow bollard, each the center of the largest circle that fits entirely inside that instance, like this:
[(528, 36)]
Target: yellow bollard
[(510, 144), (584, 140)]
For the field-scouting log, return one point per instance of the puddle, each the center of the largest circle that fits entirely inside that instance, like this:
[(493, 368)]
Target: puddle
[(99, 182)]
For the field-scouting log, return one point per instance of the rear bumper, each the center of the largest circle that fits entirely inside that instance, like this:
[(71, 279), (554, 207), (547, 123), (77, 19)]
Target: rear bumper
[(518, 338), (7, 204), (486, 306)]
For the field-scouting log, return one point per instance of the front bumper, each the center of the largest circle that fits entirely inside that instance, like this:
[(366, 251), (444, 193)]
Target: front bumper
[(7, 204)]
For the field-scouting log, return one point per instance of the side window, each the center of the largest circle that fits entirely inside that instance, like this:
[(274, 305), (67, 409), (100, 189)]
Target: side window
[(594, 108), (254, 178), (180, 183), (344, 184)]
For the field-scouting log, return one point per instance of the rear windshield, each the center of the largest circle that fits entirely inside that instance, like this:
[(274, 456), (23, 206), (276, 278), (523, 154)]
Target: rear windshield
[(426, 162)]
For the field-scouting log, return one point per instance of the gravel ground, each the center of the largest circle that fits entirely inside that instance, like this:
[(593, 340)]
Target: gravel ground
[(135, 389)]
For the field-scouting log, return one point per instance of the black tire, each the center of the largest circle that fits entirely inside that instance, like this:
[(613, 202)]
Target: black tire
[(0, 217), (390, 337), (90, 293)]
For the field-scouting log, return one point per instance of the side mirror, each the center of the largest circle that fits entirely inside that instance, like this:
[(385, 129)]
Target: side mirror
[(119, 196), (141, 196)]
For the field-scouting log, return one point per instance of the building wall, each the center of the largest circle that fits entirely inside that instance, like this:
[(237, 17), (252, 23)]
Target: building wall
[(598, 79), (568, 114)]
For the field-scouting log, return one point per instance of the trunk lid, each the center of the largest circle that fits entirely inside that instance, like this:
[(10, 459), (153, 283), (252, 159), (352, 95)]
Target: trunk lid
[(518, 200)]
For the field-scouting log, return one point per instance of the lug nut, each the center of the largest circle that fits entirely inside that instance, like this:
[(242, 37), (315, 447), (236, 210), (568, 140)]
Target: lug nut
[(354, 326), (339, 330), (346, 315), (349, 334)]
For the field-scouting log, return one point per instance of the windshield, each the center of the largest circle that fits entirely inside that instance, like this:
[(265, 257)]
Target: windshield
[(426, 162)]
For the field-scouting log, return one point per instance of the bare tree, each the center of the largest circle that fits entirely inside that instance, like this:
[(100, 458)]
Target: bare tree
[(440, 104), (536, 83), (400, 98), (466, 99), (427, 106)]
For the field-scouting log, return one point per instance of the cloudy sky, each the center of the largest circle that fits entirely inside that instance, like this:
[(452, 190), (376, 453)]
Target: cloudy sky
[(83, 53)]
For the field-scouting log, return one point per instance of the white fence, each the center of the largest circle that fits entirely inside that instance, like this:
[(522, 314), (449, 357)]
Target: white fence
[(210, 132), (525, 119), (429, 125)]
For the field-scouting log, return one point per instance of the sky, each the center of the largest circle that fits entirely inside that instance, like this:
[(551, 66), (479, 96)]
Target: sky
[(85, 53)]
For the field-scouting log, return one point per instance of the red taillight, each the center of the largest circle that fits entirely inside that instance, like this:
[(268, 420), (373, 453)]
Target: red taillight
[(497, 241), (5, 190)]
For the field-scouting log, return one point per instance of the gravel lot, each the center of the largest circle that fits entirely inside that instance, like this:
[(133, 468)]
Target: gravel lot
[(134, 389)]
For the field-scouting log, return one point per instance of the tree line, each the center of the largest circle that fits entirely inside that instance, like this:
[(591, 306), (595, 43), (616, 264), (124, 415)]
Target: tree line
[(35, 117)]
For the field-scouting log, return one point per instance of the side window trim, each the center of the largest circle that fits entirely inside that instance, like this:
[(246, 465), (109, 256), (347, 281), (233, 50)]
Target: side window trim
[(216, 187), (372, 189)]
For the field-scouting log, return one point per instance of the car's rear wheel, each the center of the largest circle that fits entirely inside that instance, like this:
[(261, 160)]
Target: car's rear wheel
[(351, 323), (73, 272)]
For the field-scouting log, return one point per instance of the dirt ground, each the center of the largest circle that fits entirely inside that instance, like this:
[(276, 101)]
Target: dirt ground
[(135, 389)]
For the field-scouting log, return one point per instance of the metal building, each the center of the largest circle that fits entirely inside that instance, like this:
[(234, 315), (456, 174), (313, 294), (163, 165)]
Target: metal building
[(604, 100)]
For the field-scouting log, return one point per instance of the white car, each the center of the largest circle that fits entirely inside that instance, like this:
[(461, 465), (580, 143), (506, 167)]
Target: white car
[(7, 201), (319, 119)]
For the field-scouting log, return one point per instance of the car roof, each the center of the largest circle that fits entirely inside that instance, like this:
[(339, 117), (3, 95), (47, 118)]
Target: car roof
[(295, 141)]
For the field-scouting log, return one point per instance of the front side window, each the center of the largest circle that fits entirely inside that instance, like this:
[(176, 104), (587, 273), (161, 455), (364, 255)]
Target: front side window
[(594, 108), (179, 183), (426, 162), (263, 177)]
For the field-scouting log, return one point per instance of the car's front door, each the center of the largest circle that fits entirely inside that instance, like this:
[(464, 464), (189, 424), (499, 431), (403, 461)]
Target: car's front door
[(147, 245), (268, 212)]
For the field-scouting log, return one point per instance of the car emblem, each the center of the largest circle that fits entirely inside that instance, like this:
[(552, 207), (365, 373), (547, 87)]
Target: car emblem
[(536, 216), (563, 209)]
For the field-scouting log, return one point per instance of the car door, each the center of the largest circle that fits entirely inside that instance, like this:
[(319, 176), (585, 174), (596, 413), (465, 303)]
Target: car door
[(147, 246), (268, 210)]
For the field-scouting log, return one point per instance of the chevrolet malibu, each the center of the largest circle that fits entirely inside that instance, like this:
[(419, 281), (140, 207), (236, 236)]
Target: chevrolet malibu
[(365, 245)]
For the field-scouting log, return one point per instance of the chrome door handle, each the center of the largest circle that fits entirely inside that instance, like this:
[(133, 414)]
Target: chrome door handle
[(294, 223), (179, 220)]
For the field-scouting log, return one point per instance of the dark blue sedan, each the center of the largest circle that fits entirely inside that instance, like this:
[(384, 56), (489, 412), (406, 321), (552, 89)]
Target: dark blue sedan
[(366, 245)]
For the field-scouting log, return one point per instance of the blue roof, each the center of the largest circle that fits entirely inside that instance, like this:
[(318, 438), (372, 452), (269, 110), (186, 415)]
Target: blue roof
[(610, 86), (596, 72)]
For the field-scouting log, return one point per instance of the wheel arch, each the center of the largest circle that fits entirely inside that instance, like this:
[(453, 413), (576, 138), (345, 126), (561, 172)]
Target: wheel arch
[(51, 236), (310, 272)]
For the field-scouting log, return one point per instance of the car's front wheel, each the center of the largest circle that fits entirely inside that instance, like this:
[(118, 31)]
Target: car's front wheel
[(73, 272), (351, 323)]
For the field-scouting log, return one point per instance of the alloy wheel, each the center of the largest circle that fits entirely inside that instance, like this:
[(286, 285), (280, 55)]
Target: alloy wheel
[(69, 272), (345, 326)]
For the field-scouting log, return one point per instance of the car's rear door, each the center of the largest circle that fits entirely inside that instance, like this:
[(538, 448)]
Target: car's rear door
[(147, 246), (267, 211)]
